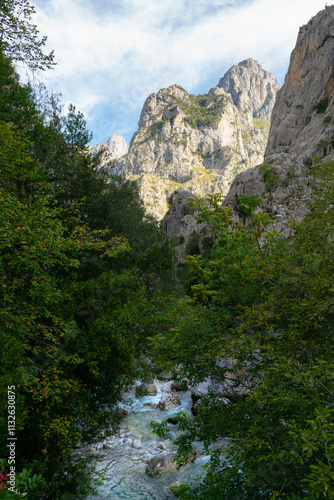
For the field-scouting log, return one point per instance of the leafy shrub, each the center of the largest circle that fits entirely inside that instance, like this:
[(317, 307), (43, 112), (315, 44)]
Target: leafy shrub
[(192, 247), (270, 176), (322, 105)]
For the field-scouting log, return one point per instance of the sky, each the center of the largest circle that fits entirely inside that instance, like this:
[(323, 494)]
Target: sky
[(111, 54)]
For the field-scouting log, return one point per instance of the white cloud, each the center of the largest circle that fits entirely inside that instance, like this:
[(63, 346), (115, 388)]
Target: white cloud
[(111, 55)]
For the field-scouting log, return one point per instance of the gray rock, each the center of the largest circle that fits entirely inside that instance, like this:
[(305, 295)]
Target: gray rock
[(161, 464), (167, 387), (165, 376), (146, 390), (136, 443), (151, 405), (164, 463), (168, 401), (302, 122)]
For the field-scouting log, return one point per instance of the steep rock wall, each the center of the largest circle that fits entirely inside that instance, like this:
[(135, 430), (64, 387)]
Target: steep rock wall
[(303, 118), (198, 143)]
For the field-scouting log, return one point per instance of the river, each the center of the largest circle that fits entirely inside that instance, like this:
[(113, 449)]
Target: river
[(124, 465)]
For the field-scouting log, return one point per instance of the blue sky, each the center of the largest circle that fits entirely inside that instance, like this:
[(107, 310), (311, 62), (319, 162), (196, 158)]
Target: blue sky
[(112, 54)]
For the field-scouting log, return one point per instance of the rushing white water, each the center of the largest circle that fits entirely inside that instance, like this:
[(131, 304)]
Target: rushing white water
[(125, 466)]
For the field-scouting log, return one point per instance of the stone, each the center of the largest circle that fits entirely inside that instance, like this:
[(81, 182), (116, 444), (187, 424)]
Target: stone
[(136, 443), (167, 387), (164, 462), (168, 401), (107, 446), (161, 464), (165, 376), (172, 421), (302, 122), (146, 390), (250, 86), (151, 405)]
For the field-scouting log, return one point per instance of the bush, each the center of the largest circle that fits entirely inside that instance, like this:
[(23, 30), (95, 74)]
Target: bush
[(321, 106), (270, 176)]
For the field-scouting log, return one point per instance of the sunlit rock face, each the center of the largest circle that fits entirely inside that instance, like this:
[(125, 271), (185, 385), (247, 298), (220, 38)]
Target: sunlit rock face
[(250, 86), (115, 147), (200, 143)]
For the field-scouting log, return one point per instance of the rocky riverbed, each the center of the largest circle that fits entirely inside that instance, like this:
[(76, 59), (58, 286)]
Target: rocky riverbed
[(128, 458)]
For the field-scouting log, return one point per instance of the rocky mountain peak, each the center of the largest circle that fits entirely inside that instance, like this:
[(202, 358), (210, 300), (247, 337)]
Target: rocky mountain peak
[(115, 147), (162, 105), (302, 127), (302, 121), (251, 87)]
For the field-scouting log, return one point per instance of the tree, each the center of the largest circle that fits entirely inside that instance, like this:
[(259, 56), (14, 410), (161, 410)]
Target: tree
[(19, 38), (73, 320), (263, 333)]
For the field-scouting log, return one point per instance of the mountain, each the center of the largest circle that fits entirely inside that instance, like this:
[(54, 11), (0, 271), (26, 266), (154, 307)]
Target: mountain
[(302, 127), (198, 144), (115, 147), (251, 86), (302, 122)]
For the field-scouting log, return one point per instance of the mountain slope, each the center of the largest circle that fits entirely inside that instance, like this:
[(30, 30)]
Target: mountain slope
[(200, 143)]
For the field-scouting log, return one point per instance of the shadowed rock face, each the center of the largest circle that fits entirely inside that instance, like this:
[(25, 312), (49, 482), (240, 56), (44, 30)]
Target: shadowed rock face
[(302, 120), (302, 127)]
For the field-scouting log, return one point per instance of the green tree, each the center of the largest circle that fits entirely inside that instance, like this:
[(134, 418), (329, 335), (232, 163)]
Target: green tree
[(262, 332), (73, 320), (19, 38)]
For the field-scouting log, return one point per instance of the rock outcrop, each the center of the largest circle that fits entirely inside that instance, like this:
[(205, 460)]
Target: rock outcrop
[(165, 462), (303, 117), (250, 86), (200, 143), (168, 401), (302, 127), (115, 147)]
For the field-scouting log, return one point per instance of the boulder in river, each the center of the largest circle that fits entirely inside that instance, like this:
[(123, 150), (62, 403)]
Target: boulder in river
[(165, 462), (168, 401), (146, 390), (161, 464), (166, 376)]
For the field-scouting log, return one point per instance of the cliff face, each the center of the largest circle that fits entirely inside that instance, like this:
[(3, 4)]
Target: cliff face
[(200, 143), (302, 120), (302, 126), (250, 86), (115, 147)]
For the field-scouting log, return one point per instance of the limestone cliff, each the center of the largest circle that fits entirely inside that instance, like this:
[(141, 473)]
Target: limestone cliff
[(303, 117), (115, 147), (250, 86), (200, 143), (302, 126)]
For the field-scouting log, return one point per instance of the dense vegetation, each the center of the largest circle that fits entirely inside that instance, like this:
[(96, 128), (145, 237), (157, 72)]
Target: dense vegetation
[(258, 322), (83, 293), (80, 266)]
